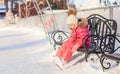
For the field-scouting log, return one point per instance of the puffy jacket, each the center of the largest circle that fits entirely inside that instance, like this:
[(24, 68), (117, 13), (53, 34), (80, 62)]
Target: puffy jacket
[(78, 34)]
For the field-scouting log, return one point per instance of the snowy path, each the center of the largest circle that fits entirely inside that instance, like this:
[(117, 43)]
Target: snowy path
[(26, 51)]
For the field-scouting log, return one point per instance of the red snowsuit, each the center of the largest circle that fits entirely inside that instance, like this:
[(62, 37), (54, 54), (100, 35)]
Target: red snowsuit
[(73, 43)]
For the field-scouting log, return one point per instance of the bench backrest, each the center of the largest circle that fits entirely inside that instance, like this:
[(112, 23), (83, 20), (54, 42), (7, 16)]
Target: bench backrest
[(100, 26)]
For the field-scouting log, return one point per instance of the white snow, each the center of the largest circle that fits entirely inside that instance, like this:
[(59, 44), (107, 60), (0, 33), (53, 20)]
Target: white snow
[(25, 50)]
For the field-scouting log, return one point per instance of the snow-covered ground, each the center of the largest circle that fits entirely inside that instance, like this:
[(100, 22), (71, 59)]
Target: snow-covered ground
[(25, 50)]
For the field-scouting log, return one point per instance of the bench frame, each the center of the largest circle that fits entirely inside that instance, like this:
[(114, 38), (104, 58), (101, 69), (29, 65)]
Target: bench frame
[(108, 52), (99, 27)]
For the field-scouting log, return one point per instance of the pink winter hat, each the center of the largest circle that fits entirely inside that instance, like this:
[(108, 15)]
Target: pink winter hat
[(71, 19)]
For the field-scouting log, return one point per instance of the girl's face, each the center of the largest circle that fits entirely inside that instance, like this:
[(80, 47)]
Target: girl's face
[(72, 26)]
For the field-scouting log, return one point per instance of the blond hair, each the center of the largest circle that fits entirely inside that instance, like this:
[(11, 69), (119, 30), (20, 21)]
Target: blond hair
[(72, 12)]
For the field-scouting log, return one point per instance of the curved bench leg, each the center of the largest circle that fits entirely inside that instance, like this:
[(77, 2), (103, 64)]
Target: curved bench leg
[(88, 54)]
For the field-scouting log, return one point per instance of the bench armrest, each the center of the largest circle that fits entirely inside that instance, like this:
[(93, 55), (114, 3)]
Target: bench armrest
[(93, 44), (59, 37)]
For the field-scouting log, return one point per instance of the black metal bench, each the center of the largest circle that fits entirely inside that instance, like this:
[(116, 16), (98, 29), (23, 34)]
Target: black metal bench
[(109, 51), (99, 27)]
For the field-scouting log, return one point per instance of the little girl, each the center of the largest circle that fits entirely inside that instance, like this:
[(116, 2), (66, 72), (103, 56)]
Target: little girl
[(78, 32)]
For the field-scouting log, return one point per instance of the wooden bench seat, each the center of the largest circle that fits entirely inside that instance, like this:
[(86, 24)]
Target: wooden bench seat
[(113, 56)]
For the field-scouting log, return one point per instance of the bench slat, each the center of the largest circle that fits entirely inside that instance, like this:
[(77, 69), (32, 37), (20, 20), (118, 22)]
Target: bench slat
[(113, 56)]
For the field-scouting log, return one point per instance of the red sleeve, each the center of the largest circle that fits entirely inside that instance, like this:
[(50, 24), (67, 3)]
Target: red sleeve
[(72, 37), (81, 34)]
